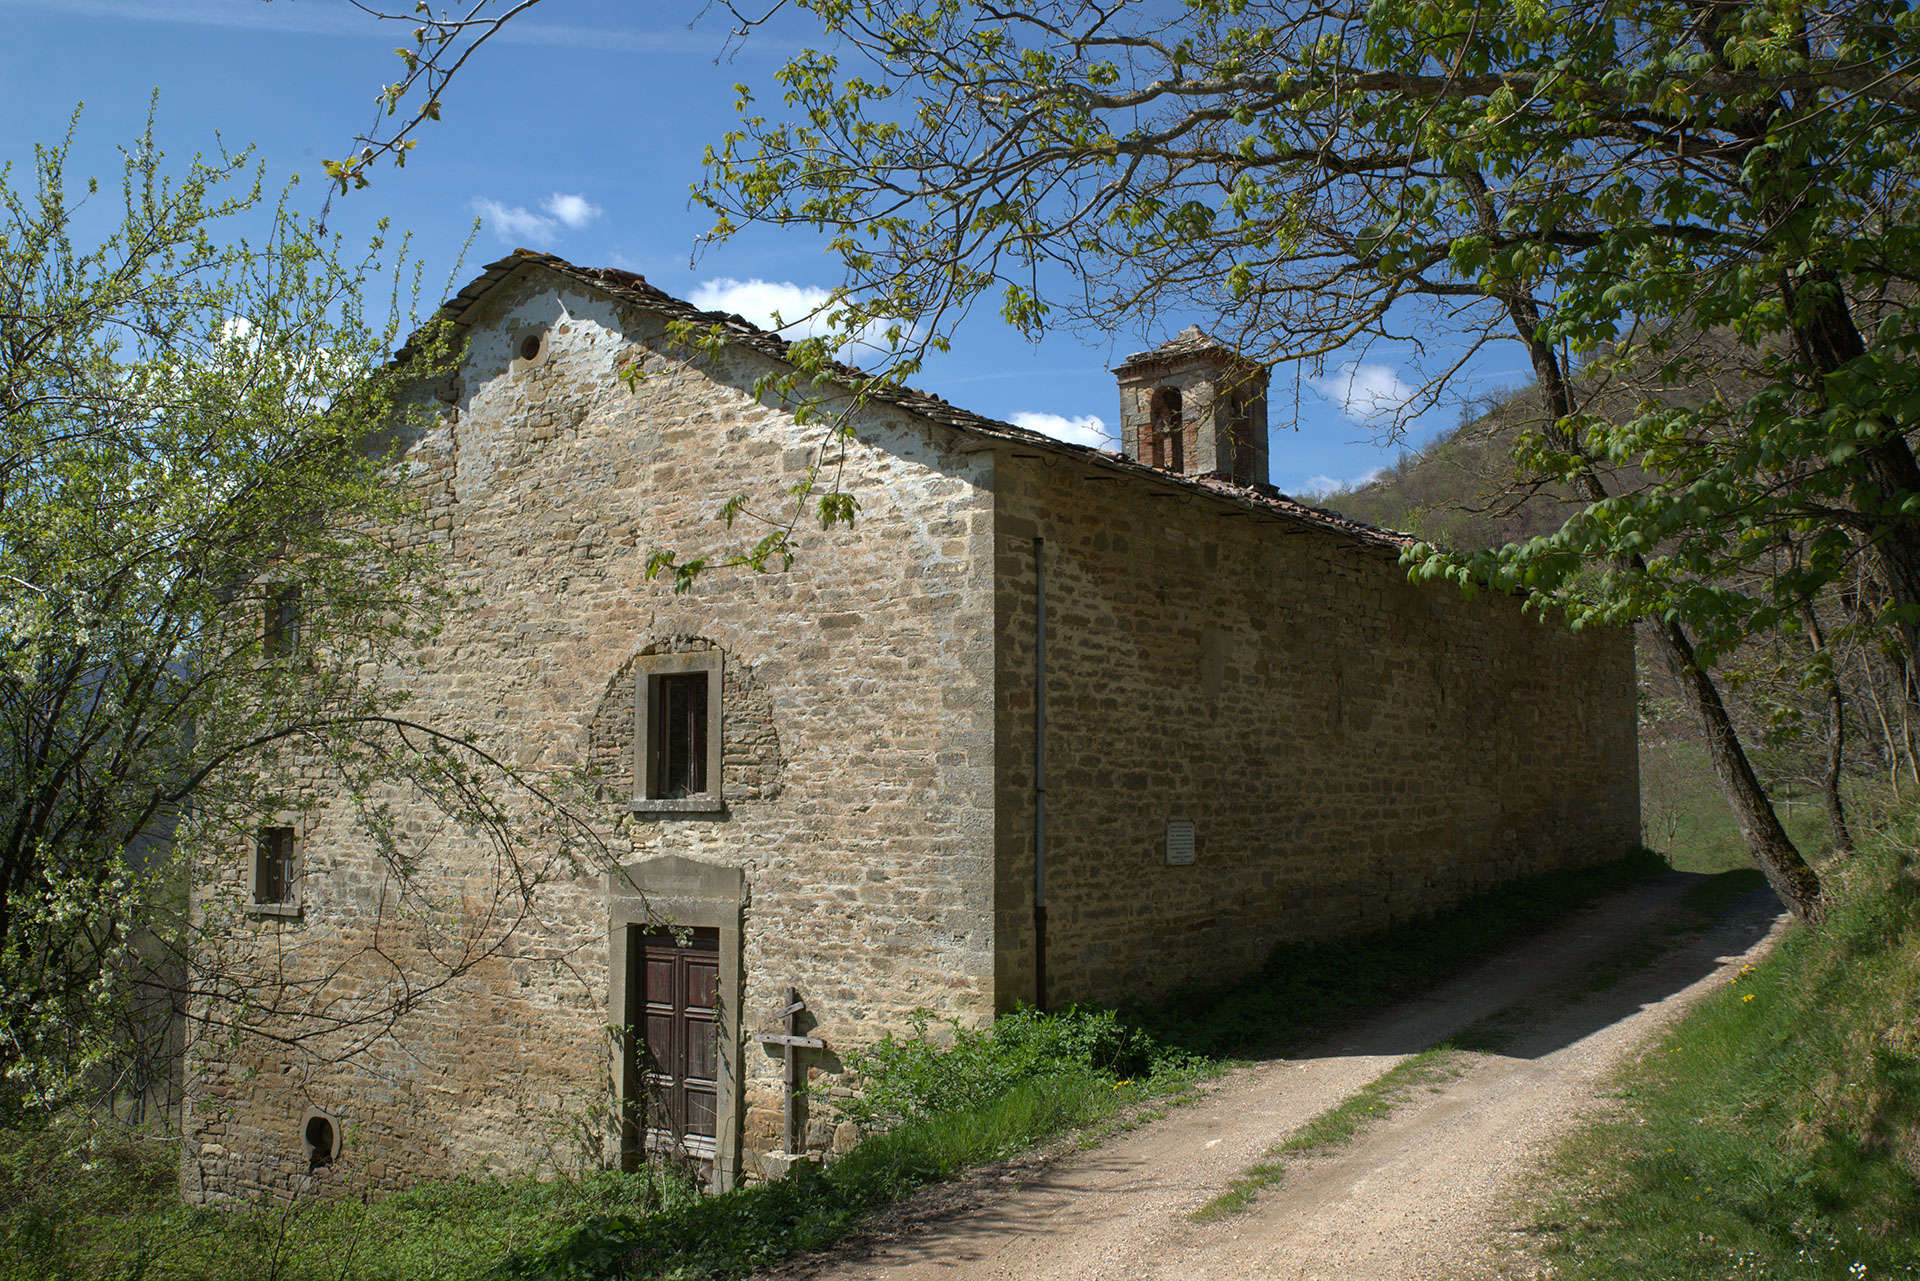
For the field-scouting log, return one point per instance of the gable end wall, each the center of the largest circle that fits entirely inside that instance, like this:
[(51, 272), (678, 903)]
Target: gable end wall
[(858, 762)]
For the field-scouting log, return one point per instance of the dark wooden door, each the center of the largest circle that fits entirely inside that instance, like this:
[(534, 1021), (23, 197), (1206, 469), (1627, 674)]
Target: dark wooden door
[(679, 1039)]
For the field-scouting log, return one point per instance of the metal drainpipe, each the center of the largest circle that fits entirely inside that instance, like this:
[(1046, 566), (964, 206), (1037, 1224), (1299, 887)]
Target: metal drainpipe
[(1039, 774)]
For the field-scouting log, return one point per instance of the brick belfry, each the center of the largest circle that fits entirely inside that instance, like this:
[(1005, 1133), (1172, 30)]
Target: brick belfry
[(1196, 406)]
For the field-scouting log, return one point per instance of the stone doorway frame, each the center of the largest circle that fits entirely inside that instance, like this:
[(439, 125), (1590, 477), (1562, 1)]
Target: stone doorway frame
[(668, 892)]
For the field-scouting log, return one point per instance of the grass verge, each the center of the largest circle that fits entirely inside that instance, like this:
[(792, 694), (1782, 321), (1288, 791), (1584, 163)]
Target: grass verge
[(1361, 1110), (1773, 1133), (106, 1206)]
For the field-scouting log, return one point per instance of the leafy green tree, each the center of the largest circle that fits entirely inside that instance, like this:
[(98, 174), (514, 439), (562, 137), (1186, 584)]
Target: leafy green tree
[(203, 602), (1605, 182)]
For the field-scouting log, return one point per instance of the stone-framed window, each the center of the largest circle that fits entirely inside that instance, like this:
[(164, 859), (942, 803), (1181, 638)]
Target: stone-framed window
[(280, 628), (274, 867), (677, 733)]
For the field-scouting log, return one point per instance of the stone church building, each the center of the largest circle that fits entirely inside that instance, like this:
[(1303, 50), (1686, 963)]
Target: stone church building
[(1048, 723)]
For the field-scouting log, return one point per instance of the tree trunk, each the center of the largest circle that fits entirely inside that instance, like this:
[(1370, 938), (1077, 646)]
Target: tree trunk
[(1837, 830), (1827, 338), (1890, 750), (1836, 739), (1792, 878)]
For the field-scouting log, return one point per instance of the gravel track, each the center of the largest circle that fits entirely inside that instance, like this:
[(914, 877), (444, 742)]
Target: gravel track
[(1432, 1191)]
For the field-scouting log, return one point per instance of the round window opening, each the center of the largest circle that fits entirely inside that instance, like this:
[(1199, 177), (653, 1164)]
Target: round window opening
[(322, 1142), (530, 347)]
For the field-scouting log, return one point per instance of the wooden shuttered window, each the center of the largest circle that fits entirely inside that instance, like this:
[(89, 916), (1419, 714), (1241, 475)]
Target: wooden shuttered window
[(680, 724), (678, 715), (273, 866)]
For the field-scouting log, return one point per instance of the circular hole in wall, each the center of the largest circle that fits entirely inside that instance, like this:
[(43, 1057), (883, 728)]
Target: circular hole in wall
[(320, 1136), (530, 347)]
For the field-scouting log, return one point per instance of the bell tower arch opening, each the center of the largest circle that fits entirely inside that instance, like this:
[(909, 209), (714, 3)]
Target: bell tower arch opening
[(1195, 407)]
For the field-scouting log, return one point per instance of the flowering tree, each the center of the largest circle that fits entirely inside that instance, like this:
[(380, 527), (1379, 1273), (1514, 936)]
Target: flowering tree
[(199, 585)]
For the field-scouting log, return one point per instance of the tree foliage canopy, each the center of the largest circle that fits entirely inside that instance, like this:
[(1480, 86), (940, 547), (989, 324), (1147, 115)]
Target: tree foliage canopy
[(1707, 207)]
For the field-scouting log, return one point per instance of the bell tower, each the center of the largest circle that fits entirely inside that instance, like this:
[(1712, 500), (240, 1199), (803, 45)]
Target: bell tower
[(1195, 406)]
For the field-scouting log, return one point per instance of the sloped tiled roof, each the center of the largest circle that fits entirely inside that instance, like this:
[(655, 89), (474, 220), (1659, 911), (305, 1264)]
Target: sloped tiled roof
[(629, 287), (1191, 341)]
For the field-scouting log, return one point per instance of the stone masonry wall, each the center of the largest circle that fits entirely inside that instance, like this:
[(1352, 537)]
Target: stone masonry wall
[(858, 758), (1351, 749)]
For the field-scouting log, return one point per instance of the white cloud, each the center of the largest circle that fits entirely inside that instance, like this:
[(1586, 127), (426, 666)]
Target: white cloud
[(790, 310), (1317, 487), (521, 224), (1087, 429), (786, 308), (1365, 393), (574, 211), (516, 222)]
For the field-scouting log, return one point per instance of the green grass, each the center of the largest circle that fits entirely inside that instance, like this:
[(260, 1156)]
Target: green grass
[(1339, 1124), (1687, 819), (1373, 1102), (108, 1208), (1774, 1132)]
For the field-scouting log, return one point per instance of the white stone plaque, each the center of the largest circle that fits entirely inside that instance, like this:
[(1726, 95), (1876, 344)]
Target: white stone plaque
[(1179, 842)]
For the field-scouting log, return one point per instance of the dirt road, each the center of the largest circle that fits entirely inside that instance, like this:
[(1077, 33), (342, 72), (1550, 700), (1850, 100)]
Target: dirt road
[(1427, 1193)]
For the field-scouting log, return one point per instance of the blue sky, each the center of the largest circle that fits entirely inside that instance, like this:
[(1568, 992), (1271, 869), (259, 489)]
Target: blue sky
[(579, 131)]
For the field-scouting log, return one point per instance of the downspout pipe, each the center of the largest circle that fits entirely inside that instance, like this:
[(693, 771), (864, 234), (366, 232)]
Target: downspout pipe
[(1039, 774)]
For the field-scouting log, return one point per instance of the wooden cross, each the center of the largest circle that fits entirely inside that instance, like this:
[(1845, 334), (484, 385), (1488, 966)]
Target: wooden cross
[(791, 1043)]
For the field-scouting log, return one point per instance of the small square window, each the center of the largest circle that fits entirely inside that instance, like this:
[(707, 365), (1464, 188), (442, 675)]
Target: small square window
[(281, 637), (276, 871), (677, 733)]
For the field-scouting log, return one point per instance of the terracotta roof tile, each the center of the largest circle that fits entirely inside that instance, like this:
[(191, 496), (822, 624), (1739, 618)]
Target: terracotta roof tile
[(1191, 341)]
